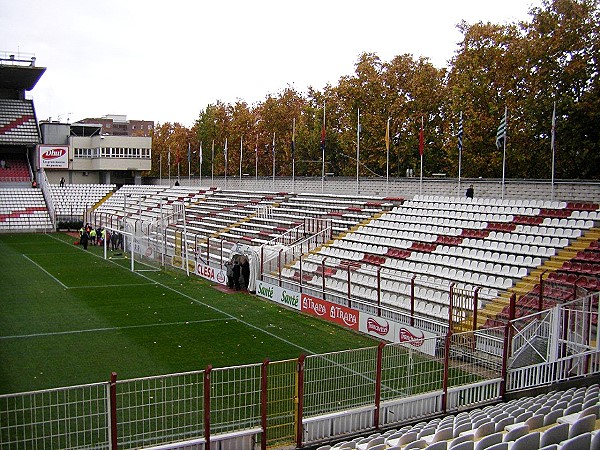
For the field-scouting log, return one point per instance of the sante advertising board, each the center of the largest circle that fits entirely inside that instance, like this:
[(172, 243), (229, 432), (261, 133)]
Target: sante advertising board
[(53, 156), (277, 294)]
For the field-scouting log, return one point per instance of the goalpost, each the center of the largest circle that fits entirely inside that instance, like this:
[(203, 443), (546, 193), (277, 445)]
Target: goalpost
[(139, 242)]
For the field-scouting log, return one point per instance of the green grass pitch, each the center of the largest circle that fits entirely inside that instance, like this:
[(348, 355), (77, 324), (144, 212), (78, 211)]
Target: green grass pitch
[(69, 317)]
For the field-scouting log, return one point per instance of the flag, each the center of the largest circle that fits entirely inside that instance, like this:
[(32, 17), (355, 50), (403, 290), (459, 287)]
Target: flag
[(421, 138), (225, 150), (273, 146), (169, 158), (501, 133), (323, 138), (460, 133), (387, 136), (189, 153), (200, 154)]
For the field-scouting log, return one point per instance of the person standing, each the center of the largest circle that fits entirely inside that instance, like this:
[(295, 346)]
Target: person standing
[(85, 237), (229, 271), (470, 192), (245, 272), (236, 275)]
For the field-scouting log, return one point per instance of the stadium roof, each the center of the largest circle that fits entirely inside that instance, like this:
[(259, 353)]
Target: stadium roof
[(19, 77)]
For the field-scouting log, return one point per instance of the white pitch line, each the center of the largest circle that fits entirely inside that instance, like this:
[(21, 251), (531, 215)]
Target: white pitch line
[(113, 285), (45, 271), (229, 316), (94, 330)]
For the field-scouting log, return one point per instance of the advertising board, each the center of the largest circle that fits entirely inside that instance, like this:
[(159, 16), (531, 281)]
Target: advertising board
[(53, 156)]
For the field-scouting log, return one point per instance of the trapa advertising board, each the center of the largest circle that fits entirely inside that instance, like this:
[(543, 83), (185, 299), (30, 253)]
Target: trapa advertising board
[(332, 312), (53, 156), (277, 294)]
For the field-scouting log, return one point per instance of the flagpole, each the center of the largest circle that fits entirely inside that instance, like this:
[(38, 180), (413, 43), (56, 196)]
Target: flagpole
[(241, 154), (294, 155), (225, 154), (421, 144), (256, 161), (421, 177), (504, 150), (387, 157), (212, 165), (273, 150), (200, 163), (189, 164), (323, 152), (160, 168), (169, 164), (357, 149), (552, 146), (460, 147)]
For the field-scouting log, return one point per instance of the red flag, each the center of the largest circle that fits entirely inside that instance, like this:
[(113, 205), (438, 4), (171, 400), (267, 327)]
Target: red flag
[(421, 139)]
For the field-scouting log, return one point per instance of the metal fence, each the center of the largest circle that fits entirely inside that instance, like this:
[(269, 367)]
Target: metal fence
[(315, 397), (75, 417)]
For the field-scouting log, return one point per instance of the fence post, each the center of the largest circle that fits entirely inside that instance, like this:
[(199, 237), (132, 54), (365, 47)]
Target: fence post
[(378, 384), (279, 269), (475, 308), (207, 406), (378, 290), (450, 306), (113, 411), (263, 403), (541, 296), (323, 275), (207, 248), (412, 301), (262, 261), (301, 272), (349, 287), (446, 370), (512, 307), (299, 398), (505, 354)]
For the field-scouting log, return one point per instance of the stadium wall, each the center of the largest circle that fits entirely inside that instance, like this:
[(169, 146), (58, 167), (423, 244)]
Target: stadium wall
[(564, 190)]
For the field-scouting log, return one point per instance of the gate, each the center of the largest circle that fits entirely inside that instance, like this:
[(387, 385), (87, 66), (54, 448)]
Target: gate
[(280, 394)]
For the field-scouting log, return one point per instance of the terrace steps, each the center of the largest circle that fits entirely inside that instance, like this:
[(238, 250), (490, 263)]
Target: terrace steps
[(526, 284)]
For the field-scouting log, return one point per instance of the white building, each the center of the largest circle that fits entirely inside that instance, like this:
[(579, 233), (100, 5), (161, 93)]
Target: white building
[(93, 157)]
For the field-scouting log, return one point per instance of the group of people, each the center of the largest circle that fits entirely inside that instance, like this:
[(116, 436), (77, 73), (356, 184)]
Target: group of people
[(238, 272), (88, 235)]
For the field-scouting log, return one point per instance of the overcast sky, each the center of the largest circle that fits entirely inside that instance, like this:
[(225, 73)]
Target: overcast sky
[(165, 61)]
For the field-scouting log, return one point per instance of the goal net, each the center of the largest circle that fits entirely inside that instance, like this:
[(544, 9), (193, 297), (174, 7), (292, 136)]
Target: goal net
[(139, 242)]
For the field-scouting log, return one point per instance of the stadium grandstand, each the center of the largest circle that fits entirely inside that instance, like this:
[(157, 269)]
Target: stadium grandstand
[(486, 308)]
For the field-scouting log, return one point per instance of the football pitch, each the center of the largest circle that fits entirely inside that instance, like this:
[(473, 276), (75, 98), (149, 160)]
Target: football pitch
[(69, 317)]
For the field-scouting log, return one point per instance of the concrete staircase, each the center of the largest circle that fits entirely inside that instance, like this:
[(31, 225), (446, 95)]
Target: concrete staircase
[(526, 284)]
